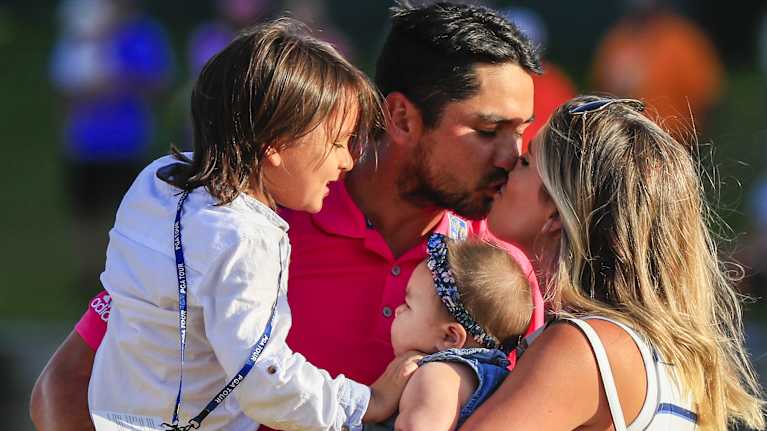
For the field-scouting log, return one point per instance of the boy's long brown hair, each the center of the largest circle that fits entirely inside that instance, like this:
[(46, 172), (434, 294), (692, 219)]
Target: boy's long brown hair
[(269, 87)]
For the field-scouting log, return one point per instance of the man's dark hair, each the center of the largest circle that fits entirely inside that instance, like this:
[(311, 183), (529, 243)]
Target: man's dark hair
[(430, 53)]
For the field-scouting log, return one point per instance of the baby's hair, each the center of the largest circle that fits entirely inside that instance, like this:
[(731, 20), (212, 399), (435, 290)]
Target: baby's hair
[(272, 85), (493, 287)]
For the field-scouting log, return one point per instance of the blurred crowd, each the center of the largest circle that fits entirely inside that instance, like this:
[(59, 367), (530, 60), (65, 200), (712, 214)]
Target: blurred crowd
[(112, 62)]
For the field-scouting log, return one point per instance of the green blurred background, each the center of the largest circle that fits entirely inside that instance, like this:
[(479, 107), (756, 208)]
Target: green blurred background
[(41, 294)]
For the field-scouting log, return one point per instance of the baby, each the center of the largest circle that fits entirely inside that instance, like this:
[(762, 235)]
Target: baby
[(465, 306)]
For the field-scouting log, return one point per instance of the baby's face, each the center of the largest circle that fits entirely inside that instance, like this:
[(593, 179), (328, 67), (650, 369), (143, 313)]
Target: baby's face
[(419, 321)]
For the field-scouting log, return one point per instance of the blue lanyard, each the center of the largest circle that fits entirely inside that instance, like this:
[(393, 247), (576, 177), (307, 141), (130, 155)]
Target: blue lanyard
[(182, 320)]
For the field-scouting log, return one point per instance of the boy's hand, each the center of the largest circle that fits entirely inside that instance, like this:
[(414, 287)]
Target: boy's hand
[(386, 391)]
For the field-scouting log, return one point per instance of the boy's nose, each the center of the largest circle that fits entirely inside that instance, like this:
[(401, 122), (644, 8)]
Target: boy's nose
[(346, 162)]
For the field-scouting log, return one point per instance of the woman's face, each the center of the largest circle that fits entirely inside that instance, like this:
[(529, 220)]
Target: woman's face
[(522, 207)]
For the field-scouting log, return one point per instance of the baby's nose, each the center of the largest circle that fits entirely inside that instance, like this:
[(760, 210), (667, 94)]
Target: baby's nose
[(398, 309)]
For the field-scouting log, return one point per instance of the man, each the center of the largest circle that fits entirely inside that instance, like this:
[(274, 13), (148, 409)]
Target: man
[(459, 95)]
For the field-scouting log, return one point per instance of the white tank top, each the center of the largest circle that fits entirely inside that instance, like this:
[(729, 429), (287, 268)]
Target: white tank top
[(665, 407)]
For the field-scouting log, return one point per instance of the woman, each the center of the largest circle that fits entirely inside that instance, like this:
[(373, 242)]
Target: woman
[(621, 230)]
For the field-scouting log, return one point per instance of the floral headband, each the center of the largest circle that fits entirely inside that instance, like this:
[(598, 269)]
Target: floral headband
[(444, 282)]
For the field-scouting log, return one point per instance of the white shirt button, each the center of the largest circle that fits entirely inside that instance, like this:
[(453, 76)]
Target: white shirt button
[(395, 270)]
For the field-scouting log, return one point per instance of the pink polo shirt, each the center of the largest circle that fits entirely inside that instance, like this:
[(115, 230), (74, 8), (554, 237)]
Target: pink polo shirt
[(344, 285)]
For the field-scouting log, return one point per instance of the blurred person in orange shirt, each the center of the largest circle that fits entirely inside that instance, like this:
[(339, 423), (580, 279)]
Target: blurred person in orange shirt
[(553, 87), (663, 58)]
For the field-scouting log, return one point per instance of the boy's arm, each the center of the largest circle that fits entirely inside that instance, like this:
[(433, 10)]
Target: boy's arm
[(433, 397), (283, 390)]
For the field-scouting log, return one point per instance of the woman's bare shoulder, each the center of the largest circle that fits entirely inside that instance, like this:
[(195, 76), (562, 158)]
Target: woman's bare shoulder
[(558, 378)]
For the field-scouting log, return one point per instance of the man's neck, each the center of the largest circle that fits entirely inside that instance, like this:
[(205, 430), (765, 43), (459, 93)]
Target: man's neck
[(401, 223)]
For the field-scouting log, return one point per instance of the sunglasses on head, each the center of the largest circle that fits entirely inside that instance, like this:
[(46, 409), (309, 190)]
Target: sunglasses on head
[(600, 104)]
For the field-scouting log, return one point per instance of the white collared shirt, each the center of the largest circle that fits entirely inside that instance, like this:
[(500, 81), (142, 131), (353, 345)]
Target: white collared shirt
[(237, 259)]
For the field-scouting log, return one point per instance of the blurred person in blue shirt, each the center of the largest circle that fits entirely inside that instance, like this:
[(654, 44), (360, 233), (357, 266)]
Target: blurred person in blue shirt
[(109, 60)]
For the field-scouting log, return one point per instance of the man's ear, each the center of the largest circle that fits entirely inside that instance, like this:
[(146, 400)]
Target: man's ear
[(453, 336), (403, 119)]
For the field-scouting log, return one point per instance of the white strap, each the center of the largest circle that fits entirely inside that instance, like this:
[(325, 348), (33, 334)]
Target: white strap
[(604, 371), (652, 395)]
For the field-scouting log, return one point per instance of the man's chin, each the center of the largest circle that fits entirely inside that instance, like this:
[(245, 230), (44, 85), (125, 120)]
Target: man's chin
[(476, 210), (471, 209)]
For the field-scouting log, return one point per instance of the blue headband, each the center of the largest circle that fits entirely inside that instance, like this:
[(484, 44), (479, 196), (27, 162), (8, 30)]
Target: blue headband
[(444, 282)]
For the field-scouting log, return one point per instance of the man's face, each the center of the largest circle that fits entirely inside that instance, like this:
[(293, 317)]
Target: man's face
[(462, 162)]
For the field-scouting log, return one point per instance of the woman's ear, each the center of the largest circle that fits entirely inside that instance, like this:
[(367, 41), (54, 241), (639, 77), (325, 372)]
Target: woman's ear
[(453, 336), (553, 224), (403, 119)]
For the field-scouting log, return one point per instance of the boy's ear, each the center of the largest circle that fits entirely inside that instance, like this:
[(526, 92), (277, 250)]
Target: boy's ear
[(453, 336), (273, 157), (403, 119)]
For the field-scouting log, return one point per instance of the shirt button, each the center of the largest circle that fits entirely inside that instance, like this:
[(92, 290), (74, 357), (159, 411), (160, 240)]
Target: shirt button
[(395, 270), (271, 369), (387, 311)]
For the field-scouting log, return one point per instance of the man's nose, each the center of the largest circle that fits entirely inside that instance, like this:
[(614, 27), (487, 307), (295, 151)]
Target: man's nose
[(508, 153)]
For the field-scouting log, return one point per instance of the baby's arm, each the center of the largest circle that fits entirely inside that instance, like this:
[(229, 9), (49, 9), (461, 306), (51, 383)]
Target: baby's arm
[(433, 397)]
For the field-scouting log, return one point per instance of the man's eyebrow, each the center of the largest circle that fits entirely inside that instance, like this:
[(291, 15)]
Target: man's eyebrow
[(493, 118)]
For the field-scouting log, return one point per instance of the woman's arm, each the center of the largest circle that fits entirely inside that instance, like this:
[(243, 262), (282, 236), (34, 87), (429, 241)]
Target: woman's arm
[(556, 385), (433, 398)]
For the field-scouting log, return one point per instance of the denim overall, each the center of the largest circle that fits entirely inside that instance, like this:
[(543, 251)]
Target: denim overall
[(489, 365)]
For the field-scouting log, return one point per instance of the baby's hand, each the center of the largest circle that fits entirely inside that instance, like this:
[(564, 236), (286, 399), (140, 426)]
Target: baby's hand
[(386, 391)]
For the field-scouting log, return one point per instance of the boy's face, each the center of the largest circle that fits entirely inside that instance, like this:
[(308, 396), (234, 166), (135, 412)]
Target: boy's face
[(418, 323), (463, 161), (301, 179)]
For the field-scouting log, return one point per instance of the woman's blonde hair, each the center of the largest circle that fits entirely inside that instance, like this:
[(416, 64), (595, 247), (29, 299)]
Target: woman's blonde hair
[(636, 247)]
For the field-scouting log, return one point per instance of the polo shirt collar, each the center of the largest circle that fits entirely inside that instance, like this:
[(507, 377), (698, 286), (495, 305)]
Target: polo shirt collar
[(341, 216)]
